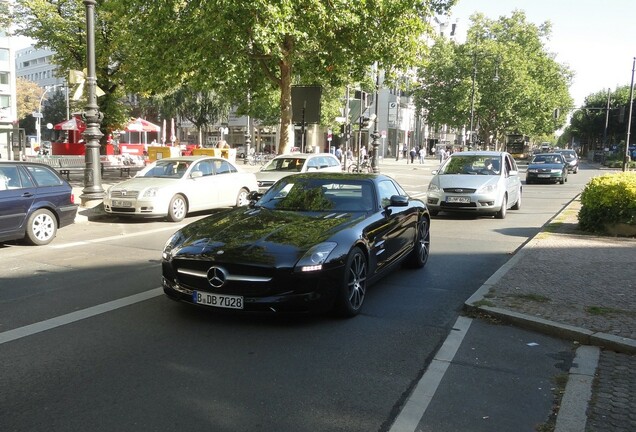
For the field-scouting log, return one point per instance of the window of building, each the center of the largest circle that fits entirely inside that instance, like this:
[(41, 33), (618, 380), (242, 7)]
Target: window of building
[(5, 101), (4, 78), (4, 54)]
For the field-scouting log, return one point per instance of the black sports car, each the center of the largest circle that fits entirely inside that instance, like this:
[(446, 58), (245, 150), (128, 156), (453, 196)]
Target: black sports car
[(313, 241)]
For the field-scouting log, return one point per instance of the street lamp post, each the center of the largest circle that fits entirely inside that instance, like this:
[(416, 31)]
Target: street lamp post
[(92, 175), (375, 161)]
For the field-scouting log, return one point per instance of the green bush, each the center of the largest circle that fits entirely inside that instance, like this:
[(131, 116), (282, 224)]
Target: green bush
[(610, 198)]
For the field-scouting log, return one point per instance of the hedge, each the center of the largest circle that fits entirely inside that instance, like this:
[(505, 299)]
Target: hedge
[(608, 199)]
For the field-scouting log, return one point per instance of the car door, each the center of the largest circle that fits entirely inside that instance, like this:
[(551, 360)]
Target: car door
[(225, 180), (17, 193), (202, 190), (513, 182), (398, 230)]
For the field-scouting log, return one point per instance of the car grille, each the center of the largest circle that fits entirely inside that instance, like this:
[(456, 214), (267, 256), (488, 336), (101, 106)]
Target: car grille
[(244, 280), (444, 204), (124, 194), (460, 190)]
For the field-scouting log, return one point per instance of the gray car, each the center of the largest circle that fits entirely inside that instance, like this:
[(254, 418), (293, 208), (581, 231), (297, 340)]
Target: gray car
[(480, 182)]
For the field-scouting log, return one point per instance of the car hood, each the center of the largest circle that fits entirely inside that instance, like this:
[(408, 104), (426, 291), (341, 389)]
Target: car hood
[(272, 175), (140, 183), (465, 181), (258, 236), (546, 166)]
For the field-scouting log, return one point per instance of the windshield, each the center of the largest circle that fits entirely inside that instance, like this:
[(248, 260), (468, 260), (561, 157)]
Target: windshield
[(472, 165), (167, 169), (569, 156), (546, 159), (290, 164), (319, 195)]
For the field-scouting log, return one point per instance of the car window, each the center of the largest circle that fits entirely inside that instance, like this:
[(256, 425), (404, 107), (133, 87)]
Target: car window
[(313, 163), (44, 176), (222, 167), (9, 177), (205, 167), (387, 189)]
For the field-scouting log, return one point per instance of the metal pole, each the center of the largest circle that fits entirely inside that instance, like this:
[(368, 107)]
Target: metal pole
[(607, 110), (629, 117), (472, 101), (375, 161), (92, 174)]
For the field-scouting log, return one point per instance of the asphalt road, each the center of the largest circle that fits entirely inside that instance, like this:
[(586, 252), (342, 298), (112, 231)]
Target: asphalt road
[(88, 342)]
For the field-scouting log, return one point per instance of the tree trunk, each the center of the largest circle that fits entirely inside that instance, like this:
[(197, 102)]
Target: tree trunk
[(286, 125)]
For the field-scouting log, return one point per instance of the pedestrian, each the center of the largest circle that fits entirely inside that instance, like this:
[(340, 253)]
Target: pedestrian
[(339, 153), (405, 149), (420, 154), (412, 154), (441, 154)]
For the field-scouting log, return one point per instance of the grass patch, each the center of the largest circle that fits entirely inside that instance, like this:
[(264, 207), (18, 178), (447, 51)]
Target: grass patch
[(532, 297), (484, 302), (602, 311)]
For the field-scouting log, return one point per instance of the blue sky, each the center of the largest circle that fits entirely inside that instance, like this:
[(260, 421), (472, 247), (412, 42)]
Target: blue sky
[(595, 38)]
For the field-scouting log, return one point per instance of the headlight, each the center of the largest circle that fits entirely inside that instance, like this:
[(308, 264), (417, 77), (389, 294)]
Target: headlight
[(150, 192), (169, 248), (486, 189), (315, 257), (432, 187)]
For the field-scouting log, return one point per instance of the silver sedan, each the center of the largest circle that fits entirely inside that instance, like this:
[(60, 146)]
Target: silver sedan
[(173, 187)]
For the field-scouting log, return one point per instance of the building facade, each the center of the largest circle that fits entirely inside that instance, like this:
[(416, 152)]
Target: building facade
[(8, 106)]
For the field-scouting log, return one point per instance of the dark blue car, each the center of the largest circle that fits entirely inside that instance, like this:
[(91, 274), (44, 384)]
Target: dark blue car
[(34, 202)]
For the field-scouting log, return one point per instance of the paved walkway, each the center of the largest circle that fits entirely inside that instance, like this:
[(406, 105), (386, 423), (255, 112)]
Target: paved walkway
[(580, 287)]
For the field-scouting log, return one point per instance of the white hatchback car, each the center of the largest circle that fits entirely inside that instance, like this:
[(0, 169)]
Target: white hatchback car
[(284, 165), (173, 187), (481, 182)]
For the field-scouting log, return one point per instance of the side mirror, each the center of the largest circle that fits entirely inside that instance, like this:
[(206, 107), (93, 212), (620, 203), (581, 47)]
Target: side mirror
[(254, 196), (399, 201), (195, 174), (512, 173), (434, 172)]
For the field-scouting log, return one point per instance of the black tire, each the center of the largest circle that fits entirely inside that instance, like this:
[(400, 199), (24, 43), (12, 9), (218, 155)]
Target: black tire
[(178, 208), (41, 228), (517, 205), (241, 198), (501, 214), (421, 247), (350, 296)]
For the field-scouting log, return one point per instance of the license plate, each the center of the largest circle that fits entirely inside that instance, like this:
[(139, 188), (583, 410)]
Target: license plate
[(544, 176), (122, 203), (218, 300), (462, 200)]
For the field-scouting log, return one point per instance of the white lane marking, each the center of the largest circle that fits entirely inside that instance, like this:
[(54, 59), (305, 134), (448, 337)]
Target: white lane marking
[(115, 237), (61, 320), (416, 405)]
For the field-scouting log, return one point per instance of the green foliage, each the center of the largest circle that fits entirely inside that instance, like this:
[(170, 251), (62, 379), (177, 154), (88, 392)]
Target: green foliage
[(610, 198), (518, 84)]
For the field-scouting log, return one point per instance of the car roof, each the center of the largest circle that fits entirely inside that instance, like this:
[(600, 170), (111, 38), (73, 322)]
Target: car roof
[(486, 153), (343, 175), (191, 158), (302, 155)]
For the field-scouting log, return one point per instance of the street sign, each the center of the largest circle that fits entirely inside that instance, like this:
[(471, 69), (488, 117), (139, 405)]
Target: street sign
[(383, 134)]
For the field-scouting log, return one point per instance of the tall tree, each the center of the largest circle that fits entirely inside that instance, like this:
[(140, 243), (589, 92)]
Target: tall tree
[(504, 72), (240, 48)]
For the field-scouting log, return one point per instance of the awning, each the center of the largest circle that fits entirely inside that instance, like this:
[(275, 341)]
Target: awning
[(141, 125), (73, 124)]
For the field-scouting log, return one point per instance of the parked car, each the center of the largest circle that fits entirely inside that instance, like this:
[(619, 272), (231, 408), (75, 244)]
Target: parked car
[(547, 167), (295, 163), (480, 182), (571, 158), (34, 202), (173, 187), (313, 241)]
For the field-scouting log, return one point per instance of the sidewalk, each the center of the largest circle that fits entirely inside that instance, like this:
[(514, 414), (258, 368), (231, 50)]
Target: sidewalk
[(579, 287)]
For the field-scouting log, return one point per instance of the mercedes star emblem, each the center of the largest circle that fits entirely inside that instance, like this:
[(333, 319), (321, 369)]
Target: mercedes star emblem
[(217, 277)]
